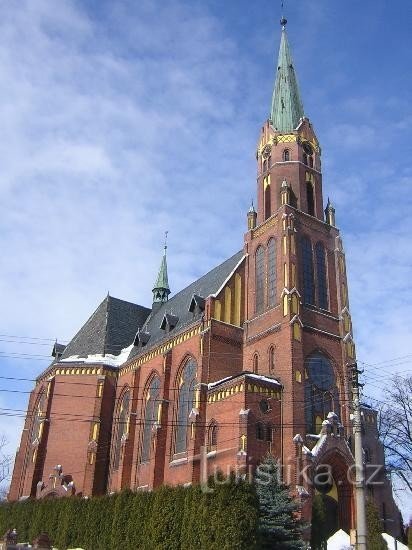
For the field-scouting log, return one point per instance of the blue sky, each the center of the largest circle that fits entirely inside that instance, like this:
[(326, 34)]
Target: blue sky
[(123, 119)]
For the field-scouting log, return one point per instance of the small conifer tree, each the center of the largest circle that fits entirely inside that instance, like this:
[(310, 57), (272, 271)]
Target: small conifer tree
[(279, 526), (318, 539), (374, 526)]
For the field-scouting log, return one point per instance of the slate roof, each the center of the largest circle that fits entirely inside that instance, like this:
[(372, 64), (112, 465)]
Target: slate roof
[(114, 324), (178, 305), (110, 328)]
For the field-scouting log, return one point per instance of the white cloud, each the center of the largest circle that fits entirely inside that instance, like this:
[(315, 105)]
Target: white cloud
[(107, 140)]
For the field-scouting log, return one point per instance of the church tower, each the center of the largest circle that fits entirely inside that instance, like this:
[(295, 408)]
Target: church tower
[(298, 325)]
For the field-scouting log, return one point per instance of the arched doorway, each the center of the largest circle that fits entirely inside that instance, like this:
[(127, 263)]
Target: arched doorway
[(332, 484)]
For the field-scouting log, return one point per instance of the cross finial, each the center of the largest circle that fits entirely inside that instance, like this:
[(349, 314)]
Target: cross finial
[(165, 245), (283, 20)]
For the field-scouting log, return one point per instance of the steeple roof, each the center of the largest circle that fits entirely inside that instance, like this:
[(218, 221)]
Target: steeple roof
[(161, 288), (287, 107)]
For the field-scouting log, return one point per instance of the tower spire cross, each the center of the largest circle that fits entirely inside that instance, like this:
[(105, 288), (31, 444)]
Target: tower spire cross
[(165, 245), (283, 20)]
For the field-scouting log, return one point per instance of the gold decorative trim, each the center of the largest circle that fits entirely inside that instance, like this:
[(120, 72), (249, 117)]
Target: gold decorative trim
[(262, 228), (80, 371), (221, 394), (161, 349), (285, 138)]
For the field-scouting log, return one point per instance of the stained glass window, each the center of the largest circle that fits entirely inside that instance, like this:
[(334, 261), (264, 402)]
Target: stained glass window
[(185, 404), (40, 414), (150, 417), (321, 276), (260, 279), (271, 273), (307, 271), (321, 393), (122, 426)]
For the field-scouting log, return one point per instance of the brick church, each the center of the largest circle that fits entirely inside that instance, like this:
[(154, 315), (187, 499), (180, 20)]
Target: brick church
[(251, 358)]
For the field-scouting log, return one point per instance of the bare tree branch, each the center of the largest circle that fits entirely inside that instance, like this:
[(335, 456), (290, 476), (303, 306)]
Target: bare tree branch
[(395, 428)]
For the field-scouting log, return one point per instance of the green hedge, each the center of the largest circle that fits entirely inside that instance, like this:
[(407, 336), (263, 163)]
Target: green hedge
[(166, 519)]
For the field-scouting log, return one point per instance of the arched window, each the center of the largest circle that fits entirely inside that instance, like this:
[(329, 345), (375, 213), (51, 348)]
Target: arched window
[(266, 164), (268, 206), (150, 417), (256, 363), (271, 359), (310, 198), (310, 161), (40, 414), (321, 392), (260, 279), (307, 271), (286, 155), (305, 158), (122, 426), (321, 276), (271, 273), (185, 404), (212, 437), (260, 431)]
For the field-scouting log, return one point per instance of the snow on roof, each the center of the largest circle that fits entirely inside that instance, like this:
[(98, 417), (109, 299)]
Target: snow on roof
[(319, 444), (339, 541), (264, 379), (107, 359), (213, 384), (390, 541), (249, 375)]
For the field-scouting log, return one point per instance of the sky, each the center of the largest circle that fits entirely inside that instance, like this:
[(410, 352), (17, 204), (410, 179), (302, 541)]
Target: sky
[(120, 120)]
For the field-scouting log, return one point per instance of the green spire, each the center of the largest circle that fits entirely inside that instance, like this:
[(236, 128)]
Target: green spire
[(287, 106), (161, 288)]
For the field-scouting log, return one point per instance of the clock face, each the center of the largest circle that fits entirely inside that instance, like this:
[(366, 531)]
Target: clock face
[(266, 152), (307, 147)]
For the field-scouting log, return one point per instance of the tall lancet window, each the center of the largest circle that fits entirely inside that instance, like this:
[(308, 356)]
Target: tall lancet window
[(122, 426), (39, 416), (307, 271), (150, 417), (310, 197), (268, 205), (321, 276), (186, 384), (260, 279), (271, 273)]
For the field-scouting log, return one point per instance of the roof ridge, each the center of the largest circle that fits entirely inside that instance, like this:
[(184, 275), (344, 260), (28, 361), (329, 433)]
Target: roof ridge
[(106, 325), (127, 302)]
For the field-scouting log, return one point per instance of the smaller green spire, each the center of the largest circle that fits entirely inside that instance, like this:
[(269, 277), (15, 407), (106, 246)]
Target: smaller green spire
[(287, 107), (161, 288)]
